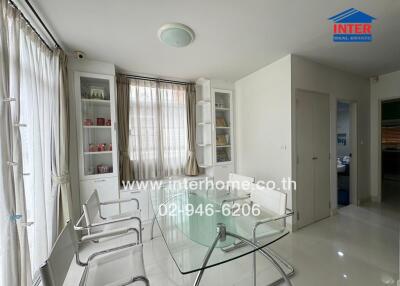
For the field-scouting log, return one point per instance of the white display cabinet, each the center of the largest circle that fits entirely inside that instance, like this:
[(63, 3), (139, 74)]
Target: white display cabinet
[(97, 137), (223, 126), (214, 130)]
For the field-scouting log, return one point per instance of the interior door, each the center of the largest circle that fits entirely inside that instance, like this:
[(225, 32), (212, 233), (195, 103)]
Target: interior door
[(304, 172), (312, 146), (321, 146)]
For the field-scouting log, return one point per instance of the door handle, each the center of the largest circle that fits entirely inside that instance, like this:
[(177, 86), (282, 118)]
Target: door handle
[(315, 158)]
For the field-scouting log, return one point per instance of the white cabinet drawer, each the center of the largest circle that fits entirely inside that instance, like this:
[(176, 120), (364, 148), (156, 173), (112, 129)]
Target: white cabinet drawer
[(142, 197), (107, 189)]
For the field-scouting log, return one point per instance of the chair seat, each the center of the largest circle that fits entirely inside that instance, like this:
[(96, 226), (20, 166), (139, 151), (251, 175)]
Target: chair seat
[(128, 223), (116, 268)]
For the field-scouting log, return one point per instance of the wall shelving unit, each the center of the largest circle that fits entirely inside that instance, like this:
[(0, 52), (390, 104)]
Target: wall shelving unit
[(214, 132)]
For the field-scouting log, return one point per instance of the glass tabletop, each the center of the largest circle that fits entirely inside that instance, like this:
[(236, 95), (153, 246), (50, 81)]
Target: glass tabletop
[(188, 221)]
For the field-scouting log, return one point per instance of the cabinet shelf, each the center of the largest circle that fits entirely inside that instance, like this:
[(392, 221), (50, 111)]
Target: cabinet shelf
[(96, 101), (203, 144), (223, 146), (222, 127), (97, 152), (222, 108), (96, 127)]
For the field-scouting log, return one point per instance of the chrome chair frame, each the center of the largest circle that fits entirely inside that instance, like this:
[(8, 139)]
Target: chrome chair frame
[(106, 221), (47, 272), (272, 255)]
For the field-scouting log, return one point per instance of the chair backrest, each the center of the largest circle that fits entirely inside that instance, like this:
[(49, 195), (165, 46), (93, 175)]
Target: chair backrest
[(91, 209), (236, 181), (55, 268), (271, 200)]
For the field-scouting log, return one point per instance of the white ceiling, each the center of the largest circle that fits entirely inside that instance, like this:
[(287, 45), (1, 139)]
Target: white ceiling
[(233, 37)]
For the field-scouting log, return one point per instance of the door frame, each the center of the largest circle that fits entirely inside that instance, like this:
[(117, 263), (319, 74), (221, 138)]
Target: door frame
[(354, 192), (294, 151), (379, 147)]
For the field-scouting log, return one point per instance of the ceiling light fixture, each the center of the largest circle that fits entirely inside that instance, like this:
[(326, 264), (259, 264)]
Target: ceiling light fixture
[(176, 35)]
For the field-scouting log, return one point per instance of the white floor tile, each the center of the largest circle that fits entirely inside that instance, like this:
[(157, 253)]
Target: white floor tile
[(367, 237)]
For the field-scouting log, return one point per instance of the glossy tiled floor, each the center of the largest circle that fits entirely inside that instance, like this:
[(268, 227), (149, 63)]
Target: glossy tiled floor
[(358, 246)]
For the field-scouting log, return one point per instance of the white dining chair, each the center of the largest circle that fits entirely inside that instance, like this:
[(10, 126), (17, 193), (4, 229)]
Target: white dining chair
[(117, 266), (270, 201), (92, 220), (238, 182), (274, 203)]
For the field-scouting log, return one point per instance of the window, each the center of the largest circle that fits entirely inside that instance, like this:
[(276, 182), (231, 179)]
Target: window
[(158, 129)]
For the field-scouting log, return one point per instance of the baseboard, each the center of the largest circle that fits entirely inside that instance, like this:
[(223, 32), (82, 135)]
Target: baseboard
[(365, 201), (375, 199)]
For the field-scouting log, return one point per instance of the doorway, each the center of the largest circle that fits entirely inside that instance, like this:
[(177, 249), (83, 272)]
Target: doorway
[(313, 162), (346, 153), (390, 156)]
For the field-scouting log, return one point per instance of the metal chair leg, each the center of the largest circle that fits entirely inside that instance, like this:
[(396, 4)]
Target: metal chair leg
[(265, 254), (152, 228)]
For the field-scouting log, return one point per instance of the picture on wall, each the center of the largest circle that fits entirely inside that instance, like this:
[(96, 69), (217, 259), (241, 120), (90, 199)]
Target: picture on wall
[(342, 139)]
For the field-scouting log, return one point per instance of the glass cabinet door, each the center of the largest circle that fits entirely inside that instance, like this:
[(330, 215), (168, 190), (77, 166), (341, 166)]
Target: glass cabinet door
[(223, 126), (97, 126)]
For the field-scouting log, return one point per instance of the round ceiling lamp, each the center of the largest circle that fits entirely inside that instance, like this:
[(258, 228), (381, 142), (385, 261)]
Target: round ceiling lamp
[(176, 35)]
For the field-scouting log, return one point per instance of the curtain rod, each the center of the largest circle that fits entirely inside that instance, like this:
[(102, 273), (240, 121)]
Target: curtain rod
[(42, 23), (154, 79), (29, 23), (33, 28)]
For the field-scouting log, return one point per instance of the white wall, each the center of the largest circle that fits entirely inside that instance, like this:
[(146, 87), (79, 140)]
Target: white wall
[(82, 66), (385, 88), (340, 86), (263, 122), (265, 114)]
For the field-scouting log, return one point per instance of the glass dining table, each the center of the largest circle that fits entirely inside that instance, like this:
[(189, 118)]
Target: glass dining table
[(205, 227)]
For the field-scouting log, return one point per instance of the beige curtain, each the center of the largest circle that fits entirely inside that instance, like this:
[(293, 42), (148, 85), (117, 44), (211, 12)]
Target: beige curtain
[(192, 169), (125, 170), (60, 159), (14, 252)]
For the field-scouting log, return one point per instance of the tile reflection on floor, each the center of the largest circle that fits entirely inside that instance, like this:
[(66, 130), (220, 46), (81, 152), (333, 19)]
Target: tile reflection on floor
[(358, 246)]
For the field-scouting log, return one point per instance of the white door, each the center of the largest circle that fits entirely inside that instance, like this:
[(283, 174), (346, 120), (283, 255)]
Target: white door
[(321, 146), (313, 167), (305, 153)]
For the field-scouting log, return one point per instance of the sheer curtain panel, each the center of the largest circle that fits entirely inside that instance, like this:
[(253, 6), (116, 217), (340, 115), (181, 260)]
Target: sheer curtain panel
[(34, 181), (14, 252), (158, 142)]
